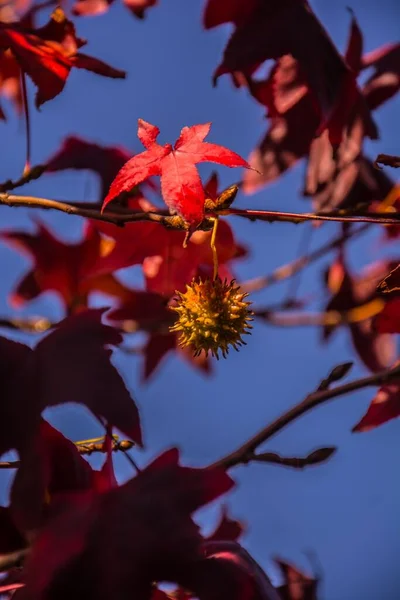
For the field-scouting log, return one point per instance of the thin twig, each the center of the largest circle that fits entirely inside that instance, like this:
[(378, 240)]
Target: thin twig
[(314, 458), (331, 317), (245, 453), (32, 174), (290, 269)]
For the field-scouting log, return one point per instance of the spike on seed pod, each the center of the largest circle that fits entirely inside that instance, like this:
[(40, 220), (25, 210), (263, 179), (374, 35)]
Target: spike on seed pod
[(212, 316)]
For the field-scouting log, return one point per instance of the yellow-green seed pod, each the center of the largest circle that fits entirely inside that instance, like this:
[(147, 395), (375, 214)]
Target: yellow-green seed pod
[(212, 315)]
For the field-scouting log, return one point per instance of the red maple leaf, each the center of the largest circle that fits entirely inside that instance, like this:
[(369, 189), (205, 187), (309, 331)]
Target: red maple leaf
[(99, 7), (274, 29), (384, 407), (384, 82), (296, 125), (48, 54), (126, 538), (181, 186), (376, 350), (71, 364), (72, 271), (50, 465), (297, 586)]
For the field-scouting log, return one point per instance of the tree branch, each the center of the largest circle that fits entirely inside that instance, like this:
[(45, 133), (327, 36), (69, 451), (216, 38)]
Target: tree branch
[(246, 452), (175, 222), (289, 269), (314, 458)]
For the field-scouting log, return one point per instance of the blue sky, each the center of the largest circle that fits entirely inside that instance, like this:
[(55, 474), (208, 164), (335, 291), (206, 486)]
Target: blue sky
[(347, 511)]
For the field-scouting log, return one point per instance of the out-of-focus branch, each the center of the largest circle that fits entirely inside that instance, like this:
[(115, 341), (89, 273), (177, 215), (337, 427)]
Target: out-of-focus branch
[(12, 560), (27, 325), (314, 458), (329, 318), (290, 269), (388, 160), (246, 453)]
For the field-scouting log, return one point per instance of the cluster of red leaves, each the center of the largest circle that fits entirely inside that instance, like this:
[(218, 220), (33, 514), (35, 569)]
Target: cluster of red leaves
[(91, 538), (312, 99), (46, 54)]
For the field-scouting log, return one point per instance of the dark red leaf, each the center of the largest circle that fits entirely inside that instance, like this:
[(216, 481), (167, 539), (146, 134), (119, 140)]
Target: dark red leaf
[(181, 186), (72, 271), (228, 571), (297, 586), (388, 321), (227, 529), (47, 54), (11, 538), (274, 29), (99, 7), (76, 153), (127, 538), (51, 465), (384, 407), (376, 350), (71, 364), (384, 83), (234, 11)]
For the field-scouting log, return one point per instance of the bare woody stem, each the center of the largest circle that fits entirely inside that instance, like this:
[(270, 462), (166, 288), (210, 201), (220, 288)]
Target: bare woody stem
[(87, 447), (167, 220), (246, 452)]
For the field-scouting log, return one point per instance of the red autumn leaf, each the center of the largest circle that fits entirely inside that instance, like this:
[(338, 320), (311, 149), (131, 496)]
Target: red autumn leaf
[(11, 538), (384, 407), (235, 11), (76, 153), (384, 83), (297, 586), (181, 186), (376, 350), (275, 29), (228, 571), (127, 538), (99, 7), (10, 77), (47, 54), (71, 364), (295, 123), (49, 466), (72, 271), (227, 529), (388, 321)]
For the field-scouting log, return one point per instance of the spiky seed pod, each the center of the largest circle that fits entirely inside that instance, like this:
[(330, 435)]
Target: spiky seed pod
[(212, 315)]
